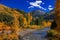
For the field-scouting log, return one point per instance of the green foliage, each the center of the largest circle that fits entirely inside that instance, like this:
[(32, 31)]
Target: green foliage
[(21, 22), (37, 20), (32, 22), (7, 19), (41, 19)]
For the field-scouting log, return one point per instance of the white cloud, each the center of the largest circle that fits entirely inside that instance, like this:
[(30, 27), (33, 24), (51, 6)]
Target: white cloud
[(30, 7), (36, 4), (50, 7)]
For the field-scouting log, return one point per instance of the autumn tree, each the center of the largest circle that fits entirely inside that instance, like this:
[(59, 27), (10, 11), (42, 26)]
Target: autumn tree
[(29, 18), (57, 15), (56, 31)]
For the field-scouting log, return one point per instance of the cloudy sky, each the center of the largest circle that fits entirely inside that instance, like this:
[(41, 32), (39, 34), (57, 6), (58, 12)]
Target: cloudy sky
[(29, 5)]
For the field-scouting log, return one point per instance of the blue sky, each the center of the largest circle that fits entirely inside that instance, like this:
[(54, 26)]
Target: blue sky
[(27, 6)]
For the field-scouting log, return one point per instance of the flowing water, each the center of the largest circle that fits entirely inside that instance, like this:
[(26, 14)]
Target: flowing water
[(37, 35)]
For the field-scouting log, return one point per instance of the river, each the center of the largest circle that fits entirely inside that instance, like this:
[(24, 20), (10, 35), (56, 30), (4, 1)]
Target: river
[(37, 35)]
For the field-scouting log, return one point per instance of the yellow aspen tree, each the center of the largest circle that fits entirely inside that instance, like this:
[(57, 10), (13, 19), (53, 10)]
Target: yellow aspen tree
[(24, 22), (29, 18)]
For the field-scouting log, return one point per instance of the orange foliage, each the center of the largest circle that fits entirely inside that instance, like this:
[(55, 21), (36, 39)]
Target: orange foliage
[(46, 24), (34, 27), (29, 18)]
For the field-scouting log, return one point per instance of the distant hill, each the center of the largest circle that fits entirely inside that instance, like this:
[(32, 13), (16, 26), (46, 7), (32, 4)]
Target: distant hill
[(35, 13), (50, 15), (46, 15)]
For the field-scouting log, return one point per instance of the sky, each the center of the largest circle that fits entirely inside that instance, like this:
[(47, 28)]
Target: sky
[(30, 5)]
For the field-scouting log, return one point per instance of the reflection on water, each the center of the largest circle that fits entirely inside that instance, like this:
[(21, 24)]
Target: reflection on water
[(37, 35)]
